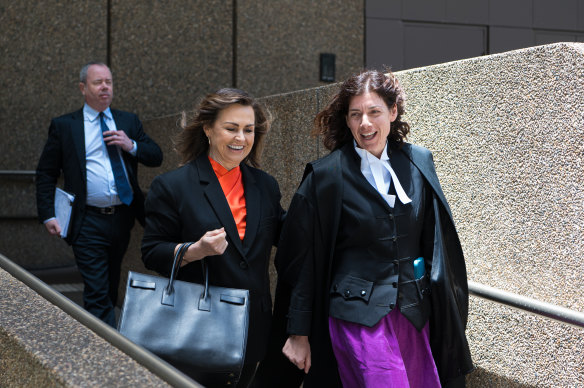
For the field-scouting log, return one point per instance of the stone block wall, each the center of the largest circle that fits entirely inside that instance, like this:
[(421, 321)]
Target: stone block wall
[(165, 56)]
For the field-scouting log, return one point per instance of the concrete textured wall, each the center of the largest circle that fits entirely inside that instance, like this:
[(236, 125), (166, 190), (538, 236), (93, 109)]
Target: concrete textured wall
[(507, 133), (41, 346), (43, 45), (166, 54)]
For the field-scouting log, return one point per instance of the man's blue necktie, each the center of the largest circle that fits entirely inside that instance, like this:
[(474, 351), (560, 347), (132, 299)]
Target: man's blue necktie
[(122, 184)]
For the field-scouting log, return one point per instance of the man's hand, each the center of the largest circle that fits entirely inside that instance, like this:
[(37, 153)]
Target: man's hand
[(297, 349), (212, 243), (118, 138), (53, 227)]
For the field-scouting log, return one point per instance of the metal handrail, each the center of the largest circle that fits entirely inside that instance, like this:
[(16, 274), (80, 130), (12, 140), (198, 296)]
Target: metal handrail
[(17, 172), (534, 306), (150, 361)]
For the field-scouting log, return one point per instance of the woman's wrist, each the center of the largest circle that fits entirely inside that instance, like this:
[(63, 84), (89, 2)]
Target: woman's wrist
[(192, 253)]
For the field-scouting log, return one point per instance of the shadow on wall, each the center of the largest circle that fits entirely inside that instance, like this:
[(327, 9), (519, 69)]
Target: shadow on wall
[(485, 379)]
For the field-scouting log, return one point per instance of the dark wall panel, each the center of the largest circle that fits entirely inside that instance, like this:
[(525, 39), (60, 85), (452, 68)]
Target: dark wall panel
[(385, 44), (504, 39), (557, 14), (511, 13), (387, 9), (427, 10), (430, 44), (467, 11), (436, 31), (547, 37)]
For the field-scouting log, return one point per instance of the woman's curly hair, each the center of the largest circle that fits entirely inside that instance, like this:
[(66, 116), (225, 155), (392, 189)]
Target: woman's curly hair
[(331, 122)]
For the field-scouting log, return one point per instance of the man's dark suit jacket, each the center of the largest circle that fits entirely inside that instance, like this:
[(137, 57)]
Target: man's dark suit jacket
[(65, 151), (185, 203)]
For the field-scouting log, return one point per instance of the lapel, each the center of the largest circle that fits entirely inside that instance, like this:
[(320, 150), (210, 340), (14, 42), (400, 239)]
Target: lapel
[(217, 201), (120, 122), (425, 164), (78, 136), (402, 166), (252, 205)]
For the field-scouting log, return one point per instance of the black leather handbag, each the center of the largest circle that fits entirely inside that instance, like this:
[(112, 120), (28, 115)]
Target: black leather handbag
[(199, 329)]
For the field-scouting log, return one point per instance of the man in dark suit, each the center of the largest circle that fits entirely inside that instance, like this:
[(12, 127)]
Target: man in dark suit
[(98, 150)]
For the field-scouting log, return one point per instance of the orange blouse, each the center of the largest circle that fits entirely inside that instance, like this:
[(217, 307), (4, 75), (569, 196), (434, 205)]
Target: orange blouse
[(232, 185)]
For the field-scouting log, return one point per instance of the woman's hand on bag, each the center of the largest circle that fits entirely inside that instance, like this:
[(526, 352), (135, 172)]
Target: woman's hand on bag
[(212, 243), (297, 349)]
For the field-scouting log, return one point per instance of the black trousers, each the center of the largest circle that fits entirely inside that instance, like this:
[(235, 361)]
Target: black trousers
[(99, 250)]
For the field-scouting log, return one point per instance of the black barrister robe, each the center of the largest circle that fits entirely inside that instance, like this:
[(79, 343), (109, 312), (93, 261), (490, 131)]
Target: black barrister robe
[(449, 295)]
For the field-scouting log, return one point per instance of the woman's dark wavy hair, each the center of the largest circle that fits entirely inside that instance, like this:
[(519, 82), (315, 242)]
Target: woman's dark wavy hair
[(192, 141), (331, 122)]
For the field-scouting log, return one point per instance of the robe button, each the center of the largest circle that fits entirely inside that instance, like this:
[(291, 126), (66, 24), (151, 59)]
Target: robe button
[(391, 306), (394, 284), (390, 216), (243, 265), (336, 287), (363, 292), (347, 293), (394, 239)]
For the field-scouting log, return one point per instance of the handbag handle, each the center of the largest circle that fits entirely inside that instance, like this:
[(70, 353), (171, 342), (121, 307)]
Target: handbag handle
[(168, 293), (204, 300)]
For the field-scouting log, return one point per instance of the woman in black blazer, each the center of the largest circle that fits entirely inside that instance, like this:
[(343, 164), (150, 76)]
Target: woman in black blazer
[(230, 209)]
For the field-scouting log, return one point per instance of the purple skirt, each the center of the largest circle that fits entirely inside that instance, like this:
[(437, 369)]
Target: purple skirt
[(390, 354)]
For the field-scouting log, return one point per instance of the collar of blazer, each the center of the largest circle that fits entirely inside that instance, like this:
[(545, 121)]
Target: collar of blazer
[(216, 197)]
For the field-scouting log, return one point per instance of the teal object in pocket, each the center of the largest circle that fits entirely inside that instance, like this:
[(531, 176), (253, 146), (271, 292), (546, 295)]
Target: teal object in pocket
[(419, 268)]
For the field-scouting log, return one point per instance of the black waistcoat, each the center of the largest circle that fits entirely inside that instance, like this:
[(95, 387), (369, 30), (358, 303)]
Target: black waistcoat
[(376, 246)]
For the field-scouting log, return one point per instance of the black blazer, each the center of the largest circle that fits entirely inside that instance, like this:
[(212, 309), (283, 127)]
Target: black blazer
[(65, 151), (185, 203)]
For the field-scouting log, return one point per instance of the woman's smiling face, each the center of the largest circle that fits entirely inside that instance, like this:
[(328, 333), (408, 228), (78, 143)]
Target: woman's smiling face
[(232, 135), (369, 120)]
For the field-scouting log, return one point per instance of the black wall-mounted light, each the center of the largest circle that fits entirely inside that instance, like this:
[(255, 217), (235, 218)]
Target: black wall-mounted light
[(327, 67)]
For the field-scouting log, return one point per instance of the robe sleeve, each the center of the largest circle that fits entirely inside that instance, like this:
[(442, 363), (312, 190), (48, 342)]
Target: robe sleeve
[(295, 259)]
